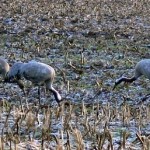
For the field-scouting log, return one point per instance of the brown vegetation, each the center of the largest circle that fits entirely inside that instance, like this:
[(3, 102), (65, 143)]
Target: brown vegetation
[(90, 44)]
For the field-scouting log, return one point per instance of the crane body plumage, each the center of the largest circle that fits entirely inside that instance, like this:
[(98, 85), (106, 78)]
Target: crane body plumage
[(4, 67)]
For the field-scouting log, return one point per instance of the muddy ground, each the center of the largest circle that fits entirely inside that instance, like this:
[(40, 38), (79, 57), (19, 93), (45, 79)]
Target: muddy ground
[(90, 44)]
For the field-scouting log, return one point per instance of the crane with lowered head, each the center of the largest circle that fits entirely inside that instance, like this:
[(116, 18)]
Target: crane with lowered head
[(141, 68), (36, 72)]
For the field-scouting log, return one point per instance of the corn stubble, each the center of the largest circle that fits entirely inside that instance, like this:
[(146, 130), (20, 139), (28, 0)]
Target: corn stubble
[(72, 126), (75, 125)]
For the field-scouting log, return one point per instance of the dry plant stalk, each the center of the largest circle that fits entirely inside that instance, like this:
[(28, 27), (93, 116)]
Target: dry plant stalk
[(68, 144), (66, 121), (145, 141), (30, 120), (125, 135), (20, 117), (79, 140), (59, 145), (82, 58), (16, 124), (6, 121), (109, 136), (76, 70), (68, 116), (68, 85), (59, 112), (46, 126), (1, 143), (86, 126), (83, 109), (47, 120), (100, 140), (102, 137)]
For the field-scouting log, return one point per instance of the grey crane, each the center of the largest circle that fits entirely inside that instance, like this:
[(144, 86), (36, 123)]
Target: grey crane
[(141, 68), (4, 68), (36, 72)]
